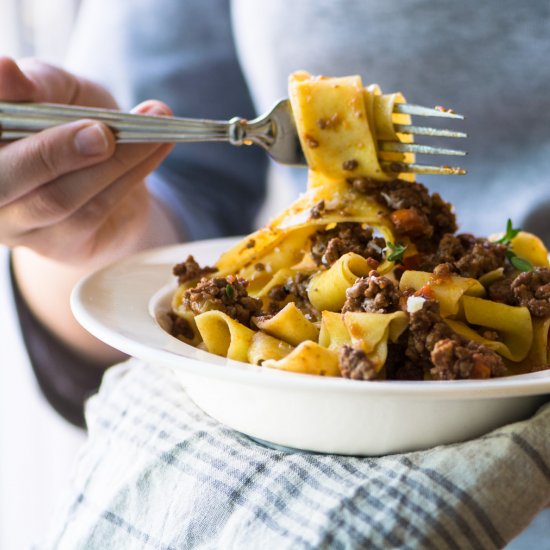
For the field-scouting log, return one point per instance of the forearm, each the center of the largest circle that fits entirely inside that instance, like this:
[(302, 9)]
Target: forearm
[(45, 284)]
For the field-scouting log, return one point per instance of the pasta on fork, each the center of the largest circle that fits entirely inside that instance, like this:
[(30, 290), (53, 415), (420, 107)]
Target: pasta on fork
[(364, 276)]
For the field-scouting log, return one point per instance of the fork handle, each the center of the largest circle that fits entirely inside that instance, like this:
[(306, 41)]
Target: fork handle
[(19, 120)]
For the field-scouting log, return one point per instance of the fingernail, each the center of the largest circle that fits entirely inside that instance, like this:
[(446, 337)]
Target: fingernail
[(156, 110), (91, 141), (150, 108)]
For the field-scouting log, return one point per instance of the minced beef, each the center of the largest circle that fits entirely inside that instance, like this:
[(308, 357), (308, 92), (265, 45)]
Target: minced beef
[(296, 288), (355, 364), (396, 366), (317, 210), (460, 358), (365, 185), (329, 245), (411, 222), (466, 255), (180, 327), (227, 294), (444, 353), (532, 290), (426, 327), (372, 294), (416, 214), (501, 290), (190, 270)]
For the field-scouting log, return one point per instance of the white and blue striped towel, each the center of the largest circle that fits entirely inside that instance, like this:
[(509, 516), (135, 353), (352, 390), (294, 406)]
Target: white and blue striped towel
[(159, 473)]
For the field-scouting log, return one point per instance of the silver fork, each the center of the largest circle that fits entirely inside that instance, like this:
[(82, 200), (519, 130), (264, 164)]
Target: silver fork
[(274, 131)]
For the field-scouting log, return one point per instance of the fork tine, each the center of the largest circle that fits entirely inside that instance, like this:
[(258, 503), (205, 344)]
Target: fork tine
[(408, 109), (398, 147), (425, 131), (388, 146), (398, 167)]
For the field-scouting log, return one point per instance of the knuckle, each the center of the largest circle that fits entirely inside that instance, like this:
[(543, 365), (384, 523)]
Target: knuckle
[(127, 158), (87, 219), (44, 157), (123, 162), (45, 206)]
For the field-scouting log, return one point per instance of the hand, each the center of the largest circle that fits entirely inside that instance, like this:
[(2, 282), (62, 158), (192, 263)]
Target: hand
[(72, 200), (69, 193)]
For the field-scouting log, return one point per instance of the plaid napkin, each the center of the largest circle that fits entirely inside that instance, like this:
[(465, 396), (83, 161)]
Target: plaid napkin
[(159, 473)]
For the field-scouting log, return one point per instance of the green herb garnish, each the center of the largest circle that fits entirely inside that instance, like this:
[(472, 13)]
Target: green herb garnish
[(397, 251), (229, 291), (511, 232), (519, 263)]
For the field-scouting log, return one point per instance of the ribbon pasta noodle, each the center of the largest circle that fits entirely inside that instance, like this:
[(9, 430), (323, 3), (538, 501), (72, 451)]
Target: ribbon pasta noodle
[(364, 276), (327, 289), (289, 325)]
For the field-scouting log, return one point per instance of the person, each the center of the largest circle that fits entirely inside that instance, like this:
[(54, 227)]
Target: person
[(73, 200)]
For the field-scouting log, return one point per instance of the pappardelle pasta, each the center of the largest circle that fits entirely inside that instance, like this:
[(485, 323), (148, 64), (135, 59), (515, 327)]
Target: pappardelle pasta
[(364, 276)]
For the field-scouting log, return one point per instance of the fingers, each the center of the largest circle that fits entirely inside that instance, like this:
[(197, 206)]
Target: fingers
[(55, 85), (52, 203), (33, 80), (14, 85), (59, 154), (109, 223), (29, 163), (152, 107), (49, 181)]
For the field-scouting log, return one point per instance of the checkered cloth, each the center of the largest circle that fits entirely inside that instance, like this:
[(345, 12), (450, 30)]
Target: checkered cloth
[(159, 473)]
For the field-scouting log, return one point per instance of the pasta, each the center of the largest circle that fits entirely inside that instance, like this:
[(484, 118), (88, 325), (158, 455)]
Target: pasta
[(364, 276)]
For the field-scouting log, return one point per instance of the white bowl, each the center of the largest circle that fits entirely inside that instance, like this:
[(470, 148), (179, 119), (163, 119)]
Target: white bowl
[(124, 304)]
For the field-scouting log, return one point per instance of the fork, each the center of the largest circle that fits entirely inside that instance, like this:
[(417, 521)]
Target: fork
[(274, 131)]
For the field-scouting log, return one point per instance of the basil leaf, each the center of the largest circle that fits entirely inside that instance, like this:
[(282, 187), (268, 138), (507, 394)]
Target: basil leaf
[(510, 233), (520, 264), (397, 251)]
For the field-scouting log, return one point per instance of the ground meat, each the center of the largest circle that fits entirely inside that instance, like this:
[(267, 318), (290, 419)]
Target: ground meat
[(447, 355), (460, 358), (501, 290), (329, 245), (425, 328), (227, 294), (532, 290), (416, 214), (278, 293), (190, 270), (350, 165), (372, 294), (396, 366), (466, 255), (365, 185), (295, 287), (317, 210), (180, 327), (330, 123), (355, 364), (406, 370), (411, 222)]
